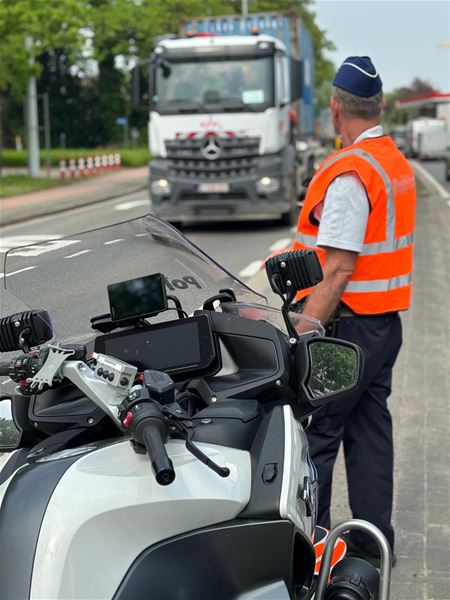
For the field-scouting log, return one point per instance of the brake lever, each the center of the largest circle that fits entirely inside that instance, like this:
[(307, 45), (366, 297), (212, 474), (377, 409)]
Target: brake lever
[(185, 427)]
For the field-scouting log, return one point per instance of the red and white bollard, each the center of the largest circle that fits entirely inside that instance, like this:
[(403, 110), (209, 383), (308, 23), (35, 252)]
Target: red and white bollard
[(62, 169), (81, 166), (110, 162), (117, 161), (97, 164), (104, 163), (90, 166), (72, 167)]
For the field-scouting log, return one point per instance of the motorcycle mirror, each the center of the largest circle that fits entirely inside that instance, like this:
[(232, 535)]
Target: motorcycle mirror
[(331, 368), (25, 330), (10, 434)]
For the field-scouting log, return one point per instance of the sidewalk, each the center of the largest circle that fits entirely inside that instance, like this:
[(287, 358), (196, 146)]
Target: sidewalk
[(96, 189), (420, 406)]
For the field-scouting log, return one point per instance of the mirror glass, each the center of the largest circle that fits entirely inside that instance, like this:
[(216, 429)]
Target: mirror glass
[(334, 368), (9, 434)]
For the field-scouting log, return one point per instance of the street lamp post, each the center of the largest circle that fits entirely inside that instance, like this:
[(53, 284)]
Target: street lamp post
[(32, 119)]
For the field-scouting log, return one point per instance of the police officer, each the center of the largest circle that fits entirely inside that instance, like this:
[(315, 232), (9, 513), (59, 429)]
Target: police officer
[(359, 217)]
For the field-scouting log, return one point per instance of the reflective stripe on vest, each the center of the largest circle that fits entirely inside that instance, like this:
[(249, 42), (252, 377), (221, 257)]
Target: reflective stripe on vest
[(368, 249), (379, 285)]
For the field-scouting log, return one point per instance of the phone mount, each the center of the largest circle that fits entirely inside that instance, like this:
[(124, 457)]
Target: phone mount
[(289, 273)]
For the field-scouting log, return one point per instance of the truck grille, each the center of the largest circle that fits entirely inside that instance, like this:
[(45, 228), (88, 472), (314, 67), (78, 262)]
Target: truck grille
[(236, 157)]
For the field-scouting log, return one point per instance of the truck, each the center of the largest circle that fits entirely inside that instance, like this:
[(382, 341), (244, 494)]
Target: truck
[(231, 118), (427, 138)]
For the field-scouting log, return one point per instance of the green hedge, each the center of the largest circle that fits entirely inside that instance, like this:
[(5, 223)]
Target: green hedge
[(131, 157)]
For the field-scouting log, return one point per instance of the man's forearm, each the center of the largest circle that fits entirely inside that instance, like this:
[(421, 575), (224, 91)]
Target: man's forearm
[(324, 298)]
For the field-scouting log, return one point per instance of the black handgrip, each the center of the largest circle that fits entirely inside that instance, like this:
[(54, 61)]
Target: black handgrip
[(4, 369), (152, 436)]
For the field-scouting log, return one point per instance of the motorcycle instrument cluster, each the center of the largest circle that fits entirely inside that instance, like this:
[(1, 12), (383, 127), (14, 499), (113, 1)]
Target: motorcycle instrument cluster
[(175, 347)]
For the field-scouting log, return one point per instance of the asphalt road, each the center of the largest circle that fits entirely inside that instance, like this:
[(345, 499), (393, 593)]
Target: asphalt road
[(239, 247)]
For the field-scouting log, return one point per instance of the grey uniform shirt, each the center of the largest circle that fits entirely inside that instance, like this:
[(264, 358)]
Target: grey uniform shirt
[(344, 212)]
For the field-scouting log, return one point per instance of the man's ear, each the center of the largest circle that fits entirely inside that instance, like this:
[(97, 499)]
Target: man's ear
[(334, 107)]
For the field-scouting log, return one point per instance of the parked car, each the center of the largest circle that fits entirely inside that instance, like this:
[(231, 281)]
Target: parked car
[(398, 134)]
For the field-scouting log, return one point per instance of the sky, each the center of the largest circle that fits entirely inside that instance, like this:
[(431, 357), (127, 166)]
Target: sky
[(402, 37)]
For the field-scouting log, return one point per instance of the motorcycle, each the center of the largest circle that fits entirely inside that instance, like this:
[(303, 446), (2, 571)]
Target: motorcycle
[(155, 423)]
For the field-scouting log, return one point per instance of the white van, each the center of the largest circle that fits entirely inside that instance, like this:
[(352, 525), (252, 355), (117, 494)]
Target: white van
[(427, 138)]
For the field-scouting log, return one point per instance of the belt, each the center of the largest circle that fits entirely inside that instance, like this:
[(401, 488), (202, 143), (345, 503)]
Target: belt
[(345, 311)]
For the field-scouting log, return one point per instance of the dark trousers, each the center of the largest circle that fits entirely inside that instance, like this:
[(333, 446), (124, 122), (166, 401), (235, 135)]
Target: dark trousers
[(363, 423)]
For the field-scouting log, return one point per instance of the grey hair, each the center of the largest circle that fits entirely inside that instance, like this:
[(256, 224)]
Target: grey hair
[(357, 106)]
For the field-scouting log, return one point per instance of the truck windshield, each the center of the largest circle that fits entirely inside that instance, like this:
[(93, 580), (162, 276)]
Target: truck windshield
[(230, 85)]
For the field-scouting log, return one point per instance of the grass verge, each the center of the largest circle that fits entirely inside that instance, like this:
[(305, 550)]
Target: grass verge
[(131, 157), (13, 185)]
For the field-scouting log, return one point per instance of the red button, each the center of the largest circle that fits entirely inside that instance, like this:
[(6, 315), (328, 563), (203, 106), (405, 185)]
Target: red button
[(128, 419)]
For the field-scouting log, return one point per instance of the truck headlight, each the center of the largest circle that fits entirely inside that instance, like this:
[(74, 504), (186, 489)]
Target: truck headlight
[(267, 185), (160, 187)]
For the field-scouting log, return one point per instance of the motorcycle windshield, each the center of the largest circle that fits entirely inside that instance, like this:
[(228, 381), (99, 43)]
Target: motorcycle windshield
[(69, 277)]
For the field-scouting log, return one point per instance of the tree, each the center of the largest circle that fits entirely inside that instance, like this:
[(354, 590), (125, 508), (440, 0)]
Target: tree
[(393, 115), (49, 24)]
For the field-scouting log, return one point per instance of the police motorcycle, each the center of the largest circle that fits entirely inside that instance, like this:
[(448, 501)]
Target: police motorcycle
[(155, 420)]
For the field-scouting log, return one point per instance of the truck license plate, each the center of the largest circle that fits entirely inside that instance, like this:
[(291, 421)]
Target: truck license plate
[(211, 188)]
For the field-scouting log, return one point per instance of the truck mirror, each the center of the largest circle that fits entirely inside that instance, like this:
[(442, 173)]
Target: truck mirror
[(296, 79), (140, 85)]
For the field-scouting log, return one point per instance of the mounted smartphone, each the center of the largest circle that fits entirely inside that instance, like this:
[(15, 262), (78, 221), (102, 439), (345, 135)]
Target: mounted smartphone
[(137, 298)]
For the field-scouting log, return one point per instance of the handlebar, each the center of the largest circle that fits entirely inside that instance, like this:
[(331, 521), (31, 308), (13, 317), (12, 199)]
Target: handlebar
[(4, 369), (152, 437)]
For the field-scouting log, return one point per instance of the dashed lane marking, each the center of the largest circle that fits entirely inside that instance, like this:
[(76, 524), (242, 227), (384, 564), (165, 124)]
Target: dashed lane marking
[(2, 275), (251, 269), (78, 253), (131, 204), (280, 244), (113, 241)]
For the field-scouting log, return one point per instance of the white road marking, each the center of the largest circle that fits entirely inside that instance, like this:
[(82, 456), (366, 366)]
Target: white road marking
[(13, 241), (251, 269), (45, 247), (280, 244), (78, 253), (16, 272), (113, 241), (443, 193), (131, 204), (141, 234)]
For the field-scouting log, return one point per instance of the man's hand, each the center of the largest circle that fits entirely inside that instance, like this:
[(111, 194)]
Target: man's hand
[(325, 296)]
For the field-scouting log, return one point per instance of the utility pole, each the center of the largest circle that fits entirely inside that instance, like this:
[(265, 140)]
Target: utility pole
[(47, 134), (32, 119), (244, 8)]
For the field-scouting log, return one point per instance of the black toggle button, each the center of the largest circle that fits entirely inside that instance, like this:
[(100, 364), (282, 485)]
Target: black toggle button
[(124, 381), (270, 472), (100, 371), (111, 376), (105, 374)]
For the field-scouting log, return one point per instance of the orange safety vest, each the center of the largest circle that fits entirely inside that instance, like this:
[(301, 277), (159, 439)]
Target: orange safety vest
[(381, 281)]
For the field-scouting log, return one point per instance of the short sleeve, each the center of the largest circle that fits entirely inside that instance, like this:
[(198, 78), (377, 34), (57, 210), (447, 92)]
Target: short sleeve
[(345, 213)]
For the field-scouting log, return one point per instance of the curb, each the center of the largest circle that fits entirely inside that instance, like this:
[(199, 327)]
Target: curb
[(429, 182), (23, 214)]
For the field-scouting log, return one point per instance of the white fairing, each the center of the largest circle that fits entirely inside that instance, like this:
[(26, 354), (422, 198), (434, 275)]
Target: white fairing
[(108, 508), (295, 470), (272, 126)]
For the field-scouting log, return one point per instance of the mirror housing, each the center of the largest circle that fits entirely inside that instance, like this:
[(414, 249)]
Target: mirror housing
[(329, 368), (10, 434)]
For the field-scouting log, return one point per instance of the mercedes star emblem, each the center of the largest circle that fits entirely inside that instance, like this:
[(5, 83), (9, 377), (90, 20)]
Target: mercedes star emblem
[(211, 149)]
